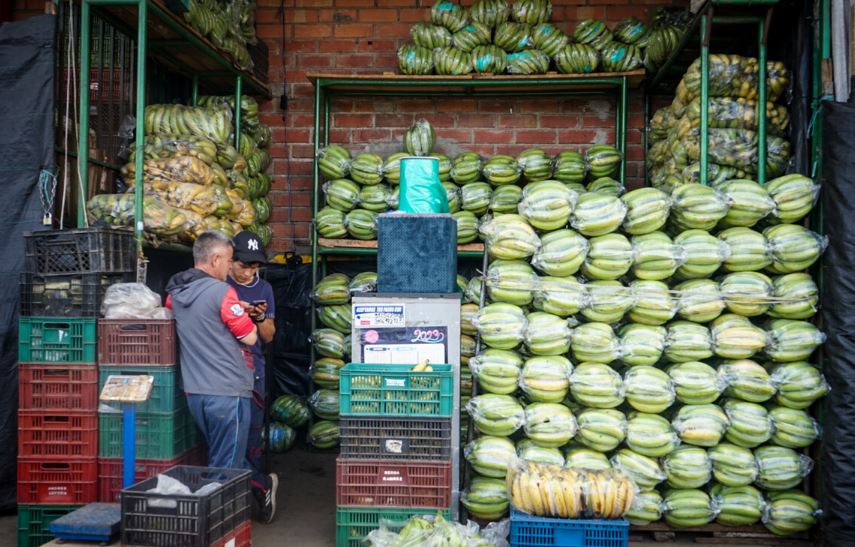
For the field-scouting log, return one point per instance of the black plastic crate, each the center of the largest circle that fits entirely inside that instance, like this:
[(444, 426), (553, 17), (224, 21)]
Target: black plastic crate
[(381, 437), (85, 251), (66, 295), (186, 521)]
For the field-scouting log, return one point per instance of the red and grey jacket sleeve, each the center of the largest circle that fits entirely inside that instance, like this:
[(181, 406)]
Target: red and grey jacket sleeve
[(234, 316)]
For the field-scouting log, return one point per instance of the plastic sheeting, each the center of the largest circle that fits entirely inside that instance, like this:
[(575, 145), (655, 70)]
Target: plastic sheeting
[(838, 320), (26, 148), (292, 289)]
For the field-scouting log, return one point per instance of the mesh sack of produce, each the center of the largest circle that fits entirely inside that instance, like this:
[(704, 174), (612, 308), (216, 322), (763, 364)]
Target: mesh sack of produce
[(166, 146), (160, 172), (739, 113), (733, 76), (204, 200)]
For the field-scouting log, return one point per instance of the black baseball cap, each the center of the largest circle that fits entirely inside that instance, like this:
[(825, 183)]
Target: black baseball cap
[(249, 248)]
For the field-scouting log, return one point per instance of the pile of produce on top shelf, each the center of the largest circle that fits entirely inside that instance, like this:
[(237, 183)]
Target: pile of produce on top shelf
[(194, 179), (229, 24), (664, 336), (360, 187), (495, 36), (674, 154)]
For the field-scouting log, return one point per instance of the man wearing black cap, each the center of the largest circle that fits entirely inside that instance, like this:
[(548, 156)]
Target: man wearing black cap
[(256, 295)]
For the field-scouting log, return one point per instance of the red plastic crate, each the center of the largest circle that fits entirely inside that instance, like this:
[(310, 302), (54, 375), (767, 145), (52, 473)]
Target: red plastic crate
[(136, 342), (240, 537), (57, 386), (391, 483), (48, 435), (60, 482), (110, 472)]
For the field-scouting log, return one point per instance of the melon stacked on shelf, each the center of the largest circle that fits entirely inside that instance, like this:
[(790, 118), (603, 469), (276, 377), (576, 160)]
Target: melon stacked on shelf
[(495, 36), (194, 179), (359, 187), (665, 336), (674, 154)]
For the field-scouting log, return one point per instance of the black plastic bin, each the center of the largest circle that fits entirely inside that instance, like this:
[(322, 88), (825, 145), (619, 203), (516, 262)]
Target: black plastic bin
[(186, 520)]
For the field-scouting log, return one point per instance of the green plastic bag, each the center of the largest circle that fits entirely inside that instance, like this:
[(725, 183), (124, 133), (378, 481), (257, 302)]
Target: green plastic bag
[(421, 190)]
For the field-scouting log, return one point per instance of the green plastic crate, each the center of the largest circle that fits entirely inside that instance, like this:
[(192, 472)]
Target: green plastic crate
[(166, 395), (352, 524), (33, 521), (160, 436), (395, 390), (57, 340)]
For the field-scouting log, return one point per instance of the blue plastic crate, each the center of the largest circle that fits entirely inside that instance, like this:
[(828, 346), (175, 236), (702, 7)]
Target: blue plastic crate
[(529, 531)]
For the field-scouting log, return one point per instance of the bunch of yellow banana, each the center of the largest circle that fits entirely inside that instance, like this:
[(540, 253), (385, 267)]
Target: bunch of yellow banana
[(553, 491), (422, 366)]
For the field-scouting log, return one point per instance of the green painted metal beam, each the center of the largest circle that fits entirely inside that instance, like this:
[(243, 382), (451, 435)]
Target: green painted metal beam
[(703, 134), (142, 40), (83, 127)]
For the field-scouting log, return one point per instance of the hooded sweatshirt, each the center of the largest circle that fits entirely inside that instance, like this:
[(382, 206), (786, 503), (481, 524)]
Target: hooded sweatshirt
[(209, 321)]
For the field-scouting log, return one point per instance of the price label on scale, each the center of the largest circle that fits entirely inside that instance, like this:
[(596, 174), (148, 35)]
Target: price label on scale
[(134, 388)]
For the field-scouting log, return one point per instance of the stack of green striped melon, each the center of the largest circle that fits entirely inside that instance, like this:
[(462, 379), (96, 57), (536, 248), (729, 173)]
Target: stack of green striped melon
[(359, 187), (497, 36), (665, 335)]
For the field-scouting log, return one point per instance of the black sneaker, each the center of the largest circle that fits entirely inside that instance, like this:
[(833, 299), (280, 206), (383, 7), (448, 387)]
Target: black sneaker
[(268, 502)]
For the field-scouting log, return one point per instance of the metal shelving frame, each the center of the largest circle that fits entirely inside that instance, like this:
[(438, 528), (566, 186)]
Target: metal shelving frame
[(329, 86), (702, 24), (163, 35)]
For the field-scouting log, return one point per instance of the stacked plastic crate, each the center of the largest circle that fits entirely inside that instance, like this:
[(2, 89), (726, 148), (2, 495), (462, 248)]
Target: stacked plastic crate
[(395, 459), (166, 434), (66, 276)]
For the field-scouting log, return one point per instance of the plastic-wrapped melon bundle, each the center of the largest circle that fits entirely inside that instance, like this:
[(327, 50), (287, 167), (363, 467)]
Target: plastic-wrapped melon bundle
[(547, 334), (415, 60), (497, 371), (501, 326), (511, 281), (642, 345), (608, 301), (648, 389), (546, 379), (699, 300), (654, 304), (601, 429), (547, 205), (561, 296), (561, 253)]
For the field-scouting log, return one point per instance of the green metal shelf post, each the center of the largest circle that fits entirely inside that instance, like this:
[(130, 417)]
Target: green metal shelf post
[(146, 10), (706, 30)]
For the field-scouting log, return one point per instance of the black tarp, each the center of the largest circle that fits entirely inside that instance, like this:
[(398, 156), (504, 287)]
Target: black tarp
[(837, 463), (26, 148), (292, 289)]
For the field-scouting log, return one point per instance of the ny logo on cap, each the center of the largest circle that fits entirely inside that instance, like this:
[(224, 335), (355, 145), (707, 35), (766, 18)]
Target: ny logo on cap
[(252, 244)]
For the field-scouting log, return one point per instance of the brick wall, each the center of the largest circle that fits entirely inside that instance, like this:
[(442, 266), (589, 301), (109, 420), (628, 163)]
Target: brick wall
[(362, 36)]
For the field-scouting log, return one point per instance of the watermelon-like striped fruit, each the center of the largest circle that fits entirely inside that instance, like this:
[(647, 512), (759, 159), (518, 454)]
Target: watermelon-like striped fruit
[(290, 409)]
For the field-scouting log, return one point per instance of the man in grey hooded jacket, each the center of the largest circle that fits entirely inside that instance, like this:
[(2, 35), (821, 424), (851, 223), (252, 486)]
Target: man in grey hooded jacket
[(214, 337)]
